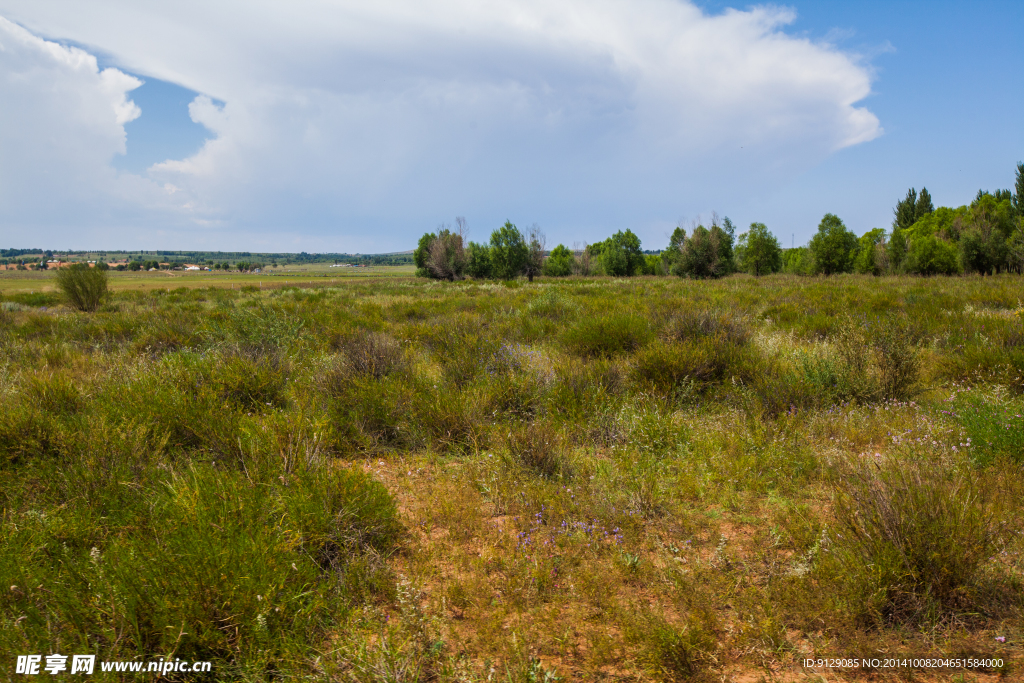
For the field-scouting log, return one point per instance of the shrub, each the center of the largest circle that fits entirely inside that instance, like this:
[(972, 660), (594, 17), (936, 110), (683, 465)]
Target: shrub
[(758, 251), (538, 446), (913, 540), (374, 354), (373, 413), (553, 304), (675, 653), (83, 287), (706, 253), (692, 325), (876, 361), (690, 365), (607, 336), (929, 255), (202, 564), (251, 382)]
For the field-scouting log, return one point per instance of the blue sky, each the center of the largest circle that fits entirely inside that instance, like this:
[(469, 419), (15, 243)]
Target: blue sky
[(340, 126)]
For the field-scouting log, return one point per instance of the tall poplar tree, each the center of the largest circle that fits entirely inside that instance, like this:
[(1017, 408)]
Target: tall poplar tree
[(1018, 187), (924, 205), (905, 211)]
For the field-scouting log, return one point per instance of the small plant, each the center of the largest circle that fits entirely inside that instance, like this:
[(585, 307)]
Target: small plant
[(679, 654), (83, 287), (538, 446)]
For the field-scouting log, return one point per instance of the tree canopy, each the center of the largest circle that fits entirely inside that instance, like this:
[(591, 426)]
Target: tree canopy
[(833, 247)]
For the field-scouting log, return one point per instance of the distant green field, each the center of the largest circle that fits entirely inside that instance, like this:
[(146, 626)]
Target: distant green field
[(22, 280)]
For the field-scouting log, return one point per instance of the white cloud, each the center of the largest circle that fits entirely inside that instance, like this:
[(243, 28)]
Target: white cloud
[(375, 120)]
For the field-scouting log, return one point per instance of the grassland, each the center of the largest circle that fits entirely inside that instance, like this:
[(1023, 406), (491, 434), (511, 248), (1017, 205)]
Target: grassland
[(588, 479), (20, 281)]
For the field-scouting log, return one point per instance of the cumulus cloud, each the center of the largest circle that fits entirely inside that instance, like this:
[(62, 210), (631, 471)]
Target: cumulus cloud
[(362, 123)]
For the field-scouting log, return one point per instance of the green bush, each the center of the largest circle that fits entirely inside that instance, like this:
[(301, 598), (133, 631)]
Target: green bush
[(374, 354), (538, 446), (199, 563), (251, 382), (674, 653), (913, 540), (607, 336), (83, 287), (553, 304), (692, 325), (698, 363)]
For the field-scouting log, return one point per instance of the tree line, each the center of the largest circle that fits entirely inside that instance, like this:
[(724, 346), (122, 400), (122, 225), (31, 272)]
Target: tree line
[(985, 237)]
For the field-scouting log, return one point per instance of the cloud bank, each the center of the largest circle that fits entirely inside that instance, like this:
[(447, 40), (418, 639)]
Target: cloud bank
[(346, 125)]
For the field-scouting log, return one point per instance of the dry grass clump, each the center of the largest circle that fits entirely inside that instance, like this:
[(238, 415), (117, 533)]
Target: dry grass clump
[(539, 447), (695, 325), (913, 540), (374, 354)]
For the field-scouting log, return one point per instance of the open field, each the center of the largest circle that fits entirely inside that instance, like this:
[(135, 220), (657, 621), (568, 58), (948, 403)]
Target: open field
[(12, 281), (586, 479)]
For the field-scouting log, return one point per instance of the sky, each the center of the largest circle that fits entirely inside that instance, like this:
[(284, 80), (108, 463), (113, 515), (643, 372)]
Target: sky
[(342, 126)]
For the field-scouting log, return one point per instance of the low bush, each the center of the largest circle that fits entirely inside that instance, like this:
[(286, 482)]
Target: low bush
[(912, 541), (199, 564), (691, 365), (83, 287), (678, 653), (553, 304), (607, 336), (874, 361), (538, 446), (251, 382), (374, 354), (694, 325)]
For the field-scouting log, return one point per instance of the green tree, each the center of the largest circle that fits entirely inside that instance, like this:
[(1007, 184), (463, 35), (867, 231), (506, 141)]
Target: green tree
[(1018, 195), (796, 261), (871, 244), (446, 256), (674, 253), (706, 253), (905, 213), (924, 205), (654, 265), (833, 247), (83, 287), (1015, 252), (509, 252), (419, 255), (535, 256), (930, 255), (896, 249), (621, 255), (758, 251), (559, 262), (478, 261)]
